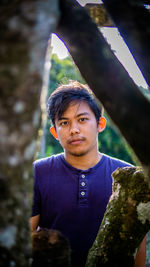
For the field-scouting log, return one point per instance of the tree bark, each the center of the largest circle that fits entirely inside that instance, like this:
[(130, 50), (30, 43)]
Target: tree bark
[(99, 14), (126, 221), (50, 249), (133, 20), (24, 31), (121, 98)]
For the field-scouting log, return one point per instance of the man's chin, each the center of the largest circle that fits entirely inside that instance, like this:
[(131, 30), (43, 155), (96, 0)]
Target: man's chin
[(78, 153)]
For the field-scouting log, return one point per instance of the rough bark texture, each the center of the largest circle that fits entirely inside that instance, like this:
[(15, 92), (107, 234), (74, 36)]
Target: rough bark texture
[(126, 221), (133, 20), (99, 14), (50, 249), (24, 31), (123, 101)]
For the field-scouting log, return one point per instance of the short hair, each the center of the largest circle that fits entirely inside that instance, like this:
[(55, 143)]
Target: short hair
[(74, 91)]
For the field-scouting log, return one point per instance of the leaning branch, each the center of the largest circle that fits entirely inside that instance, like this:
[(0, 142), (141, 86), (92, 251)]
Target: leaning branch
[(133, 20)]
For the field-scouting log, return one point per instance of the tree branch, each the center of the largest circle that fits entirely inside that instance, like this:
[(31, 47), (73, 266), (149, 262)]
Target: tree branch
[(133, 20)]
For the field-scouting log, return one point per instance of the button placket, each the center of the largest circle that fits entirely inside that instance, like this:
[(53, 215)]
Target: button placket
[(83, 189)]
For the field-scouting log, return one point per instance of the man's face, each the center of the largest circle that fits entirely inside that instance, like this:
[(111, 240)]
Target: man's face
[(77, 129)]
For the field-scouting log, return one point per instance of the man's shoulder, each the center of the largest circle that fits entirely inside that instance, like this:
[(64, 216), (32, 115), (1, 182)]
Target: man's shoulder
[(115, 162), (47, 161)]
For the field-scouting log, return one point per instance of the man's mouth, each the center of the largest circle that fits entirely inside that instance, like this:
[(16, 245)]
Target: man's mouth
[(76, 141)]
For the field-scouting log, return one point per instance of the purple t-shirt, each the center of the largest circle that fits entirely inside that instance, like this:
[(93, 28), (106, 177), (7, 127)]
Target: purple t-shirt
[(73, 201)]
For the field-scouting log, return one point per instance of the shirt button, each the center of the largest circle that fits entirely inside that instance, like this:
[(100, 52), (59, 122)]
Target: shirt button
[(82, 193), (83, 183), (83, 176)]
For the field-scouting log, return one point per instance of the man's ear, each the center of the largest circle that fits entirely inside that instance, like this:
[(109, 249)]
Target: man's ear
[(102, 124), (53, 132)]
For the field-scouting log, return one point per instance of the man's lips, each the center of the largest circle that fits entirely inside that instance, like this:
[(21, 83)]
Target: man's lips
[(75, 141)]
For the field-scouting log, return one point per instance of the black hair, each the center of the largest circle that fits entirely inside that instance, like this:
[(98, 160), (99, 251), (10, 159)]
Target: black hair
[(60, 99)]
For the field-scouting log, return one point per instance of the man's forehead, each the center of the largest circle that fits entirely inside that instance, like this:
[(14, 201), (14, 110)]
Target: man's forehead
[(77, 107)]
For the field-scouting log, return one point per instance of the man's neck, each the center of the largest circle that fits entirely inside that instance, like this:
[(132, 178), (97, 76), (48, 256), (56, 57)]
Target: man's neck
[(83, 162)]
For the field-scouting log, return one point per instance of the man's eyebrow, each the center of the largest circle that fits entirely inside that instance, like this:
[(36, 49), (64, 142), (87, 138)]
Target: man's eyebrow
[(82, 114), (78, 115), (62, 118)]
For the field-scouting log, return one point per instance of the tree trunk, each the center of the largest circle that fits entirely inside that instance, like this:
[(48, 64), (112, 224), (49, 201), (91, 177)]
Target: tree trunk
[(126, 221), (24, 31)]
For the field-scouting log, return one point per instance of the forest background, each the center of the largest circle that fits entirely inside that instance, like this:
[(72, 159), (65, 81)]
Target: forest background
[(109, 142)]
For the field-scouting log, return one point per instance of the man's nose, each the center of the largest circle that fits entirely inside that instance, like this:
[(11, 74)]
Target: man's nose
[(74, 129)]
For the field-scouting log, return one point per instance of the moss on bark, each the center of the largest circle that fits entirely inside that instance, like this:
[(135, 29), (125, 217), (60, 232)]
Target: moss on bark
[(122, 230)]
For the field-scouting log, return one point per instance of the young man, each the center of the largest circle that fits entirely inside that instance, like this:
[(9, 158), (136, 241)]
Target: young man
[(72, 189)]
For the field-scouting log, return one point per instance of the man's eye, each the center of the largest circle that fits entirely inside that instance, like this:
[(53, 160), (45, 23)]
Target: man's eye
[(63, 123), (83, 119)]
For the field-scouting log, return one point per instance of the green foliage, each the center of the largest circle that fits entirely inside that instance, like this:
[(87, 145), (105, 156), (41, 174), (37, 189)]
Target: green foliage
[(148, 249), (62, 71), (113, 144)]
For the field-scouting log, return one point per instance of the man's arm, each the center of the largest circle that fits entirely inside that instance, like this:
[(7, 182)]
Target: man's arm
[(141, 255), (34, 222)]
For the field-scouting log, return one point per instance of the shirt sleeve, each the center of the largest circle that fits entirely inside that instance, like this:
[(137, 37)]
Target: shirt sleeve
[(36, 194)]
